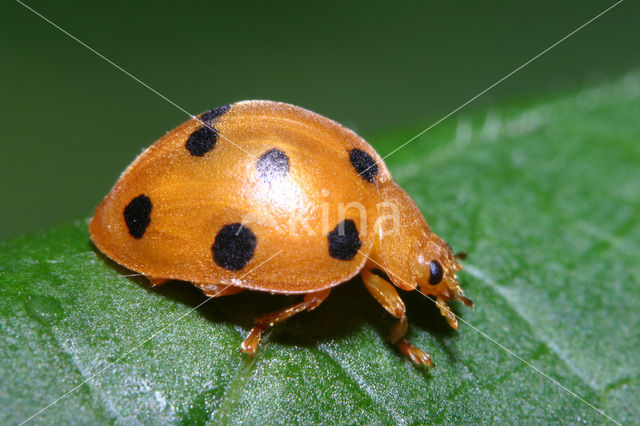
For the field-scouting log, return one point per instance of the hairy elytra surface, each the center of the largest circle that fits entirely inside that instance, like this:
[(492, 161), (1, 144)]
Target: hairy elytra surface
[(255, 195)]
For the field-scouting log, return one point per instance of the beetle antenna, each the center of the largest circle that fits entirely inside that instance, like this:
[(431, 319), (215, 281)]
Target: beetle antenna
[(462, 255)]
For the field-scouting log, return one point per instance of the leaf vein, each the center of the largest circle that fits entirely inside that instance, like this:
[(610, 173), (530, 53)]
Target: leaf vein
[(359, 382), (495, 288)]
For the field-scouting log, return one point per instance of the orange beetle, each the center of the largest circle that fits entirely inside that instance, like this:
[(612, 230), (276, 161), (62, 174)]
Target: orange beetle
[(271, 197)]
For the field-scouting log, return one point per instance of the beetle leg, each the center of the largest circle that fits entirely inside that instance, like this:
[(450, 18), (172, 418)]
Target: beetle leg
[(446, 312), (219, 290), (385, 293), (157, 281), (261, 324)]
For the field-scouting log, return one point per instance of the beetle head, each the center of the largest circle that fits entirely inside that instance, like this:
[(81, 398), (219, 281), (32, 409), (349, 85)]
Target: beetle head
[(438, 266), (414, 257)]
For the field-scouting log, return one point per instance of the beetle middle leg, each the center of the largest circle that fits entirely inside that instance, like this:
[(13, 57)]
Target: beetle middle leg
[(385, 293), (261, 324)]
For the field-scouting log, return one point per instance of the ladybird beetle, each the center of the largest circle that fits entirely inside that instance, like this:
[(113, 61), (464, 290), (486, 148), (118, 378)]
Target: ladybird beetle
[(270, 197)]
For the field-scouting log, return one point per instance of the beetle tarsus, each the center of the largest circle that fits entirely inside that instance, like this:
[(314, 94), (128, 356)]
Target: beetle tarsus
[(384, 292), (446, 312), (250, 344), (417, 355)]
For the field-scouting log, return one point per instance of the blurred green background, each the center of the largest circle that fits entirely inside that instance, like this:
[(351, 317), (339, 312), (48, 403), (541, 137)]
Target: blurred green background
[(72, 122)]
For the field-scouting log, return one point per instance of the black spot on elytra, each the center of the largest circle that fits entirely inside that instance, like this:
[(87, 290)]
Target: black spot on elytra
[(137, 215), (344, 240), (364, 164), (214, 113), (436, 271), (202, 141), (234, 246), (273, 165)]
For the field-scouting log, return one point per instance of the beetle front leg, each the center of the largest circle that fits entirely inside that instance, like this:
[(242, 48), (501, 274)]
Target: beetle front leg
[(385, 293), (261, 324)]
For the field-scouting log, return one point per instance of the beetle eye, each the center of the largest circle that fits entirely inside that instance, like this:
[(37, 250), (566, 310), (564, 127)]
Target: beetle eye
[(436, 272)]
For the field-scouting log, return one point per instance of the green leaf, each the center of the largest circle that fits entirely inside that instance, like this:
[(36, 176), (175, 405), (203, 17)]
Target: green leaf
[(545, 197)]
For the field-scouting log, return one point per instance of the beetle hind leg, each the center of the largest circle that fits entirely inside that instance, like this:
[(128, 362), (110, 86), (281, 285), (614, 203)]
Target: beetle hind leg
[(261, 324), (154, 281), (385, 293), (219, 290)]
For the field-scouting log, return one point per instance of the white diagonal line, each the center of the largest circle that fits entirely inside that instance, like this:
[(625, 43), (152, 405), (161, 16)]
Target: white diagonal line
[(497, 82), (139, 345), (515, 355), (500, 345), (127, 73)]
